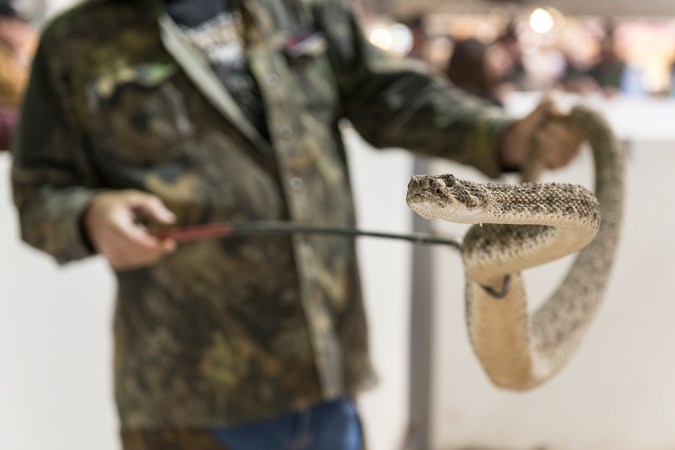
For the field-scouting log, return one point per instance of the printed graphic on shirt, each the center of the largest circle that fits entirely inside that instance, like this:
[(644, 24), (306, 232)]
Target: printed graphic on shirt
[(219, 41)]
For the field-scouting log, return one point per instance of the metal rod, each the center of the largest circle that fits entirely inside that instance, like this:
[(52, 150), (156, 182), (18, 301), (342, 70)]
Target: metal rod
[(227, 229)]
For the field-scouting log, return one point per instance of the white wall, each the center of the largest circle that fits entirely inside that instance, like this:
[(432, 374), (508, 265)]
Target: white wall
[(55, 346)]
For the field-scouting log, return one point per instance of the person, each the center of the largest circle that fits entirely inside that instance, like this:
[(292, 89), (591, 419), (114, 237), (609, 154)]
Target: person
[(469, 69), (513, 74), (608, 71), (419, 39), (17, 44), (142, 115)]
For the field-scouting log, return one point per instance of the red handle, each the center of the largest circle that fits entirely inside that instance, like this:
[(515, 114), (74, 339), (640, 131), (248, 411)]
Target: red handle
[(196, 232)]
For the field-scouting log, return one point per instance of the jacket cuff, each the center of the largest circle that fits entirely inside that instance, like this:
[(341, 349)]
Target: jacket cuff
[(66, 240), (484, 143)]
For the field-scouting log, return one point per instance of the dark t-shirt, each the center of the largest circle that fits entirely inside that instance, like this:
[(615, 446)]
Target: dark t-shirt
[(212, 29)]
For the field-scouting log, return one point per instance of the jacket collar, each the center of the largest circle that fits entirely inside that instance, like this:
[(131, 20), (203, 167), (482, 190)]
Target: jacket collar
[(198, 70)]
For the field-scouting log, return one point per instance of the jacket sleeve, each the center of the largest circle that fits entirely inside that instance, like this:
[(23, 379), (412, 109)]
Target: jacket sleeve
[(51, 179), (394, 102)]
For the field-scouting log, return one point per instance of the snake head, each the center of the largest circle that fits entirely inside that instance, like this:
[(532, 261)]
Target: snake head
[(445, 196)]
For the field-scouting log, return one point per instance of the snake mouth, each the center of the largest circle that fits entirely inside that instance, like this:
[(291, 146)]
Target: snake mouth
[(446, 191), (429, 193), (425, 186)]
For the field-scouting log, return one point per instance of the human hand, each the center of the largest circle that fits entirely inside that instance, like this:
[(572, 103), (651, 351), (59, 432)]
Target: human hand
[(112, 223), (557, 141)]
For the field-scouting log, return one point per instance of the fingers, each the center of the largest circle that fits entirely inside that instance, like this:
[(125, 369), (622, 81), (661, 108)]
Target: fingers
[(151, 207), (559, 144), (112, 224), (545, 109), (557, 141), (139, 236), (517, 141), (537, 116)]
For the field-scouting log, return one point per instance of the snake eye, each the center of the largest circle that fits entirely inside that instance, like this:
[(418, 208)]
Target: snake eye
[(450, 180)]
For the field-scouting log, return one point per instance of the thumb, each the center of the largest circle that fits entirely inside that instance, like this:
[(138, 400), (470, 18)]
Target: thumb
[(149, 206), (519, 140), (544, 110)]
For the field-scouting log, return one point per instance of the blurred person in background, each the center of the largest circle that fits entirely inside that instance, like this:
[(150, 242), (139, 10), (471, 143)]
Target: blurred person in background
[(17, 44), (576, 74), (415, 24), (432, 49), (514, 76), (470, 69), (143, 114), (609, 69)]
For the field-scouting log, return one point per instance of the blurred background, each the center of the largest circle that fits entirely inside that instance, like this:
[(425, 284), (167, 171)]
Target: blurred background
[(618, 393), (612, 47)]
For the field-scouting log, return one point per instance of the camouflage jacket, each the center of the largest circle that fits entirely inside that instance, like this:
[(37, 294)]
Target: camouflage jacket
[(227, 330)]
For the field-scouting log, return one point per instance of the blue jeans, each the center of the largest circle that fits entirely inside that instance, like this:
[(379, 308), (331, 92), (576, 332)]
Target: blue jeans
[(332, 425)]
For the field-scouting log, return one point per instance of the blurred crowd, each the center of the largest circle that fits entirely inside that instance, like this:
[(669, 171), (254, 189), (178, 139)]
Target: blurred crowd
[(586, 56)]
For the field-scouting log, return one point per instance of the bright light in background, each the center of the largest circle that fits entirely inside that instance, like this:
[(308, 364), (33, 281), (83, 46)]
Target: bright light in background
[(402, 39), (392, 37), (541, 21), (381, 37)]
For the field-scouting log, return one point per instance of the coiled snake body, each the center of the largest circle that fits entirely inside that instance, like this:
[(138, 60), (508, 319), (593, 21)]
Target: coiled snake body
[(524, 225)]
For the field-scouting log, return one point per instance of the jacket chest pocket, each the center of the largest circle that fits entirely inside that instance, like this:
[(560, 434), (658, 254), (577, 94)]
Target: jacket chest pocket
[(307, 60), (141, 114)]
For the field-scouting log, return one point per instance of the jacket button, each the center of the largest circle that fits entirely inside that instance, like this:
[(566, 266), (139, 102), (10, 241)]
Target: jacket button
[(296, 183), (272, 79), (285, 132)]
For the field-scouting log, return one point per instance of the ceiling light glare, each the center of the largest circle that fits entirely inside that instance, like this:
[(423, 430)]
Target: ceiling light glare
[(541, 21), (380, 36)]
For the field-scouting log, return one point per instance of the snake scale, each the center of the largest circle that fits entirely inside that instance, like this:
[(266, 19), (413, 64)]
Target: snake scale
[(518, 226)]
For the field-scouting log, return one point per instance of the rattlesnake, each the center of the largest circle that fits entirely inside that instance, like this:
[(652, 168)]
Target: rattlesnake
[(519, 350)]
